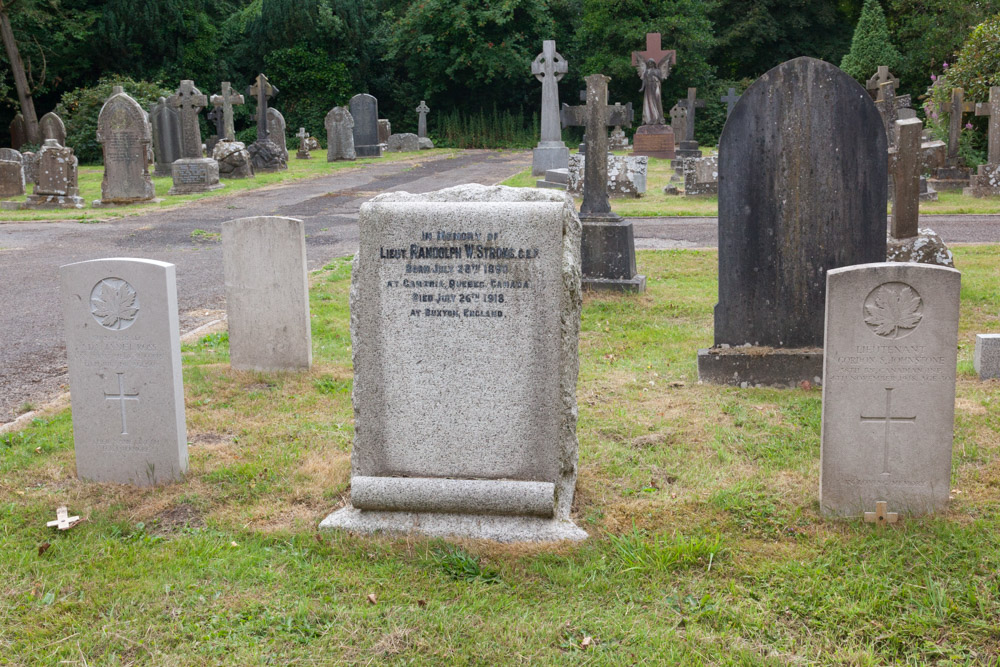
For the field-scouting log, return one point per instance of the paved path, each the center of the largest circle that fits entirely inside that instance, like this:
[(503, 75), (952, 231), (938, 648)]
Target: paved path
[(32, 354)]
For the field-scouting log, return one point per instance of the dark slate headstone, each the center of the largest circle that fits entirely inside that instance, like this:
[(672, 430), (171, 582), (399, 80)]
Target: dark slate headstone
[(364, 110), (18, 132), (802, 190), (166, 124)]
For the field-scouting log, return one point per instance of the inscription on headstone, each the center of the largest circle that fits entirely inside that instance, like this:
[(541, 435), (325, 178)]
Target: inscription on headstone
[(125, 138)]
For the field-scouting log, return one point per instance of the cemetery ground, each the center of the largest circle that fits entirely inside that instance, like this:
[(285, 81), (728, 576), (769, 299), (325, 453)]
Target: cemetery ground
[(706, 543)]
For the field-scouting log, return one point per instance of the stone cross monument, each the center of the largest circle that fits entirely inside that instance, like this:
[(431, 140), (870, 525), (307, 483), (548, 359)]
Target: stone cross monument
[(227, 99), (687, 146), (986, 181), (422, 112), (262, 90), (303, 152), (551, 153), (265, 154), (192, 172), (608, 246), (905, 167), (730, 98)]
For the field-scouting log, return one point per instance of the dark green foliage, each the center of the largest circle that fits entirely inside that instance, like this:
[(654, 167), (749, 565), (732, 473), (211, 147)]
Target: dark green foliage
[(495, 129), (310, 83), (871, 45), (977, 66), (80, 108)]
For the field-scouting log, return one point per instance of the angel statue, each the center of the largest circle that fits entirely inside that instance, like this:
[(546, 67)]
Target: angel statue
[(652, 74)]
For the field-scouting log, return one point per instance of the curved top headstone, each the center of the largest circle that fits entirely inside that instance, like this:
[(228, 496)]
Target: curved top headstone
[(802, 190), (364, 111), (125, 136), (52, 127)]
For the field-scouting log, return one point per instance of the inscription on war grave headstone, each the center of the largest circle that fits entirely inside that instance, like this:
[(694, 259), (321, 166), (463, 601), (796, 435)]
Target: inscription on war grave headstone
[(888, 387), (123, 347), (471, 294)]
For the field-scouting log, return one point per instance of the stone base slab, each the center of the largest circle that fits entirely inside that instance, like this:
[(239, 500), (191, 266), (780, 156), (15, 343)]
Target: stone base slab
[(97, 203), (475, 526), (545, 157), (551, 186), (760, 367), (193, 175), (374, 150), (52, 201), (946, 185), (654, 141), (460, 496), (636, 284)]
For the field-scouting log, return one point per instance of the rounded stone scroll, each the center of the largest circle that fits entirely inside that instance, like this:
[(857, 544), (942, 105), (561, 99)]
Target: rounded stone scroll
[(893, 310), (114, 304)]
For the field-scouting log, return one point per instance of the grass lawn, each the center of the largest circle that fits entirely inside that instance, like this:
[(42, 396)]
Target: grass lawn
[(655, 203), (90, 176), (701, 501)]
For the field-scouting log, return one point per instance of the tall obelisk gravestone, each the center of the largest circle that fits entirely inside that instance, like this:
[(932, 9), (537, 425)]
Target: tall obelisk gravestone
[(788, 213), (551, 153), (608, 239)]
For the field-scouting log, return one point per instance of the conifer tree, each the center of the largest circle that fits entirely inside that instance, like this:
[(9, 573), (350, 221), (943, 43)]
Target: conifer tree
[(870, 46)]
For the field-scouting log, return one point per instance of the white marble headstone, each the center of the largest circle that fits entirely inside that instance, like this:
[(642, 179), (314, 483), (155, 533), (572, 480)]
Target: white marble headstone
[(127, 394), (888, 387)]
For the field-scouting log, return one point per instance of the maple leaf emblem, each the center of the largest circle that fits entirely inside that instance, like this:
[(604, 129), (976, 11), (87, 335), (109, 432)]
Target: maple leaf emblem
[(115, 305), (893, 311)]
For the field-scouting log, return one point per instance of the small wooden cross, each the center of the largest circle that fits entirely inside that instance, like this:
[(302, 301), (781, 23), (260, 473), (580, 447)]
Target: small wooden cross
[(881, 515), (63, 520)]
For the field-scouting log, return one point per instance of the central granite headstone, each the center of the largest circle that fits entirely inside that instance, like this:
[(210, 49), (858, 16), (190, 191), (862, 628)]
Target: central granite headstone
[(364, 111), (465, 314), (802, 190)]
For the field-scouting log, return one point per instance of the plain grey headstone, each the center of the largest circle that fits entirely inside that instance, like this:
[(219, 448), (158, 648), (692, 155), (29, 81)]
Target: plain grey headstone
[(267, 294), (364, 111), (125, 138), (276, 130), (890, 352), (465, 311), (52, 127), (125, 380), (11, 173), (987, 357), (403, 143), (166, 123), (339, 135)]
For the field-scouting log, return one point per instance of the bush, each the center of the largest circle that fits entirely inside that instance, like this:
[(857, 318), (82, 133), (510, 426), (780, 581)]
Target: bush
[(80, 108), (485, 130), (309, 84), (870, 46)]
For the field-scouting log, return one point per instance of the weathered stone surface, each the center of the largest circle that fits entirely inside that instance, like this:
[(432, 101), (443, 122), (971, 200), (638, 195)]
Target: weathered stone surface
[(730, 98), (954, 110), (195, 175), (188, 101), (987, 357), (889, 388), (422, 111), (303, 152), (654, 141), (266, 156), (276, 130), (905, 167), (927, 193), (226, 100), (29, 161), (18, 132), (364, 112), (403, 143), (617, 141), (166, 124), (265, 153), (493, 456), (339, 135), (233, 159), (425, 144), (11, 173), (56, 178), (626, 175), (788, 213), (384, 131), (691, 104), (549, 67), (267, 294), (985, 182), (125, 138), (313, 143), (52, 127), (926, 247), (701, 176), (123, 345)]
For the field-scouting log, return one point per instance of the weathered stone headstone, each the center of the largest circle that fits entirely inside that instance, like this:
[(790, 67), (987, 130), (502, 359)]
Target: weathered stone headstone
[(276, 130), (404, 142), (384, 131), (730, 98), (125, 138), (215, 118), (422, 111), (687, 147), (608, 239), (905, 166), (364, 111), (339, 135), (166, 124), (55, 178), (551, 153), (233, 158), (654, 138), (267, 294), (29, 161), (626, 175), (51, 126), (191, 172), (445, 284), (18, 132), (889, 388), (986, 181), (701, 176), (678, 120), (124, 352), (303, 152), (986, 361), (788, 213), (11, 173), (227, 99), (954, 175), (265, 153), (617, 141)]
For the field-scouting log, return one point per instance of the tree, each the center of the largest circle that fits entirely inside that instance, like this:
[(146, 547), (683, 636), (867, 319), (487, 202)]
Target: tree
[(870, 46), (20, 78), (977, 65)]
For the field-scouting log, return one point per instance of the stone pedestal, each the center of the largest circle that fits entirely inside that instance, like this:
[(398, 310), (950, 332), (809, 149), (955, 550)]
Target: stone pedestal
[(195, 175), (760, 366), (556, 179), (654, 141), (950, 178), (686, 149), (549, 155), (985, 183), (608, 255), (52, 201)]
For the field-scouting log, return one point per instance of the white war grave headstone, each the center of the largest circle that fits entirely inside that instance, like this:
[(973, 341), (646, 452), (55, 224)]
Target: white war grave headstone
[(888, 388), (465, 314), (267, 293), (125, 381)]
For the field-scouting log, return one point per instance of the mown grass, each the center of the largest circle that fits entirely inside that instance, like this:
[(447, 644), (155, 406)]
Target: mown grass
[(90, 176), (655, 203), (706, 544)]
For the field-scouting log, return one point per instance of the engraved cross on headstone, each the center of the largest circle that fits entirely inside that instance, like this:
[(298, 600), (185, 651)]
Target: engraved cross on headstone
[(992, 109), (881, 515), (188, 101), (121, 397), (730, 98), (548, 67), (597, 116), (262, 90), (690, 103), (227, 100), (422, 112), (678, 120), (887, 421), (955, 109)]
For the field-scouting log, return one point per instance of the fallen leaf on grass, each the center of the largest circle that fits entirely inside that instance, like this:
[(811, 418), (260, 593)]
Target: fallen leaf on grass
[(42, 548), (587, 641), (372, 599)]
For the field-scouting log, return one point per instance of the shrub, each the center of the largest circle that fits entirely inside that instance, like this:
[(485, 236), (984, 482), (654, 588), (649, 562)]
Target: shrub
[(870, 46), (496, 129), (309, 84)]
